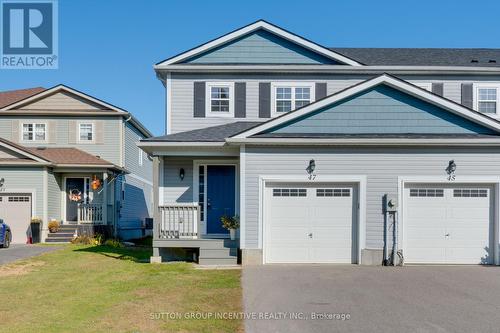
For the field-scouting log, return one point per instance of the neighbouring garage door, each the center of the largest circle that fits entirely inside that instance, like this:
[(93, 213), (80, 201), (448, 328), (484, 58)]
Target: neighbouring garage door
[(448, 224), (15, 210), (305, 224)]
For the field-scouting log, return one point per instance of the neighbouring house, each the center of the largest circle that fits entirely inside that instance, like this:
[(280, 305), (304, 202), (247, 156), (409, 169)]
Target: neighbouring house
[(307, 144), (70, 157)]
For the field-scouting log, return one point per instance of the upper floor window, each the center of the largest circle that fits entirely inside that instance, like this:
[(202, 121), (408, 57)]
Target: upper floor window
[(34, 132), (288, 96), (86, 132), (486, 98), (220, 101)]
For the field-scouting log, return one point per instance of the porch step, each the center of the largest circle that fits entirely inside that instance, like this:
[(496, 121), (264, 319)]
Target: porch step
[(64, 235), (60, 234), (58, 239), (217, 243), (225, 252), (218, 252), (218, 261)]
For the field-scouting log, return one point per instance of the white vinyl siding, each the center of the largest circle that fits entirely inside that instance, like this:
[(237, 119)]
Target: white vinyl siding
[(381, 166)]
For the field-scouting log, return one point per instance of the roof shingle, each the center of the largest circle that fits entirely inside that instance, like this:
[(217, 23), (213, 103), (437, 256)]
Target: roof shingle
[(209, 134), (479, 57), (71, 156), (12, 96)]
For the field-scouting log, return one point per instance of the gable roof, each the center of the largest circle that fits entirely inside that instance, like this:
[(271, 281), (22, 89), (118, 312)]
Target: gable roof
[(12, 96), (258, 25), (467, 57), (384, 79), (56, 89), (107, 108)]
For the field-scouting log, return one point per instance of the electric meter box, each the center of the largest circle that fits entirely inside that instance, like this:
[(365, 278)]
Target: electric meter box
[(390, 203)]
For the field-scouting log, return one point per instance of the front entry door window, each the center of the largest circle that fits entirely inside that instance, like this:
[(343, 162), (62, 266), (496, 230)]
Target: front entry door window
[(221, 198), (77, 190)]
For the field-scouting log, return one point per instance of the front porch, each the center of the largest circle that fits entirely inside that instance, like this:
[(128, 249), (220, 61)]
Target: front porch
[(81, 202), (191, 230)]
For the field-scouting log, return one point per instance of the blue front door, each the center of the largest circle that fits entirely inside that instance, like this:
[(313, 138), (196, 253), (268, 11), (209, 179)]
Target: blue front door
[(221, 200)]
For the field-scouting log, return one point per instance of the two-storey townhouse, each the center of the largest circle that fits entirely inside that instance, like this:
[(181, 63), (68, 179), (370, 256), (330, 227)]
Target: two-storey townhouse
[(308, 144), (70, 157)]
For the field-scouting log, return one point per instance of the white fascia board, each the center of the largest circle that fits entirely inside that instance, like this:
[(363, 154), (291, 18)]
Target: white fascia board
[(382, 79), (253, 27), (331, 69), (365, 142)]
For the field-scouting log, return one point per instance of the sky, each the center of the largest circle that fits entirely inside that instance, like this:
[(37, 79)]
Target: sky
[(107, 48)]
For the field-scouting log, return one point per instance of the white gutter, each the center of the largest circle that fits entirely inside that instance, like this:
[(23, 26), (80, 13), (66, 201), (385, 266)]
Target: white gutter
[(329, 69), (145, 144), (365, 142)]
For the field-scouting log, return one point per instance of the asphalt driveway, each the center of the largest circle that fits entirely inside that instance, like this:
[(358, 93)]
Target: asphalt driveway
[(372, 299), (22, 251)]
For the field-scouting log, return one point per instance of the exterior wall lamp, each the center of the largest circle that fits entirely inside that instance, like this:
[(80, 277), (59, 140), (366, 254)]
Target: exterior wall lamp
[(182, 173), (310, 169), (450, 170)]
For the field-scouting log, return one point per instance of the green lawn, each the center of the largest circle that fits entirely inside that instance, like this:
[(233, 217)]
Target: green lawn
[(102, 289)]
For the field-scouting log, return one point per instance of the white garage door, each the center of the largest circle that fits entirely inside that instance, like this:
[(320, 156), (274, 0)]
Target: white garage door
[(15, 210), (305, 224), (448, 224)]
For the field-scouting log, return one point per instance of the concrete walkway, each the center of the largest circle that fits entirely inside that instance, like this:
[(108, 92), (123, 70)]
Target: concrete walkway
[(22, 251), (376, 299)]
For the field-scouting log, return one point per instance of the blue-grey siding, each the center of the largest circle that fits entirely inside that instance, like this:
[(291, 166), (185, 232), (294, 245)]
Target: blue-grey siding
[(136, 204), (260, 47), (382, 110), (181, 112)]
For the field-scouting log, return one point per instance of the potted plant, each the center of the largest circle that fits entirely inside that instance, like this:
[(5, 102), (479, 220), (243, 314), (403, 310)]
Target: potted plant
[(35, 224), (231, 223), (54, 226)]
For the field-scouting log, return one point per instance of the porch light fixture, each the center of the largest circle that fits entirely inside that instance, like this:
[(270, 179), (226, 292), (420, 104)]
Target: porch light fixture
[(182, 173), (2, 181), (96, 183), (310, 169), (450, 170)]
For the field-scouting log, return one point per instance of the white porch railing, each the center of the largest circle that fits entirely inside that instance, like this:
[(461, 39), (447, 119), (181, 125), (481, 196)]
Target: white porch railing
[(90, 213), (179, 221)]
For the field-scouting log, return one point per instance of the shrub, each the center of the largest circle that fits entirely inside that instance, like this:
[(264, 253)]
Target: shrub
[(230, 222), (54, 226), (113, 243), (88, 240)]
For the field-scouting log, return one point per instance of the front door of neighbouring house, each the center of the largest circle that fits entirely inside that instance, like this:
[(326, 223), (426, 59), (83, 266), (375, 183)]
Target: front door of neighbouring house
[(76, 192), (221, 196)]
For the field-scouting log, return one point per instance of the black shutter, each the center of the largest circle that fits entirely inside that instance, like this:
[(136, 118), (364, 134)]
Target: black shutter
[(240, 106), (437, 88), (320, 90), (467, 95), (199, 100), (264, 100)]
